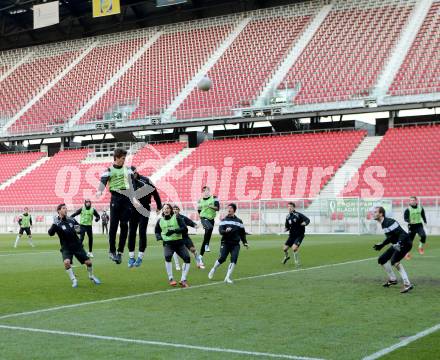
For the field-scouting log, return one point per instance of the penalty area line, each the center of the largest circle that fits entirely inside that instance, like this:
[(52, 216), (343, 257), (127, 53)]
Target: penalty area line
[(158, 292), (156, 343)]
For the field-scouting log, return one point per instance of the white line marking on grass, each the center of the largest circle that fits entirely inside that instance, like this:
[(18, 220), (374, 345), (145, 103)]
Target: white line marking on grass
[(157, 343), (403, 343), (30, 253), (5, 253), (129, 297)]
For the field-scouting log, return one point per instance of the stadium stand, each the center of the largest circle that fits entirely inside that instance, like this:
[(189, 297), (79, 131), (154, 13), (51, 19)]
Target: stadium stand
[(253, 154), (344, 58), (67, 177), (165, 68), (71, 93), (243, 70), (12, 164), (30, 78), (342, 62), (152, 157), (420, 72), (46, 176), (411, 159)]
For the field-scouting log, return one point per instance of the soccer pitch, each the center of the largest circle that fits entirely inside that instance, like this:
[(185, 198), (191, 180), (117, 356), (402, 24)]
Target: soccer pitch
[(333, 307)]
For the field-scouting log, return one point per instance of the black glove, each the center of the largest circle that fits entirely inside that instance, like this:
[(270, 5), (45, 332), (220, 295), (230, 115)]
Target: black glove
[(378, 247), (96, 219), (170, 232)]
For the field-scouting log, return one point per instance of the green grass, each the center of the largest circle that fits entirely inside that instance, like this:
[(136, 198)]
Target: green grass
[(331, 312)]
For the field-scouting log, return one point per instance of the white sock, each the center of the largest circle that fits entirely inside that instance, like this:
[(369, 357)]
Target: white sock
[(140, 255), (131, 254), (296, 257), (230, 270), (196, 256), (90, 271), (176, 260), (185, 269), (389, 270), (421, 245), (169, 267), (17, 239), (71, 274), (30, 241), (403, 274), (214, 268)]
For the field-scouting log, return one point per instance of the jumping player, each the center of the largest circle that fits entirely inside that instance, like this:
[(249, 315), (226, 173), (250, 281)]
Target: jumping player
[(120, 179), (415, 217), (25, 222), (296, 225), (141, 220), (187, 240), (67, 228), (401, 245), (232, 231), (170, 229), (207, 207), (87, 212)]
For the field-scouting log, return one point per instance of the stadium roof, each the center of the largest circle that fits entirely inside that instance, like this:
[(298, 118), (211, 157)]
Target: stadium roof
[(76, 21)]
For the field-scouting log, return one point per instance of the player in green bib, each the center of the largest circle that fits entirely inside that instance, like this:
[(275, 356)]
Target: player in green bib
[(25, 222), (170, 230), (208, 206), (415, 216), (119, 179), (87, 212)]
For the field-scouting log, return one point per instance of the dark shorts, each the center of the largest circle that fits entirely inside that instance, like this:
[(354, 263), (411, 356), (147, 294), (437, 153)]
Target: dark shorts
[(27, 230), (178, 247), (207, 224), (188, 242), (294, 240), (226, 249), (393, 255), (417, 229), (79, 253)]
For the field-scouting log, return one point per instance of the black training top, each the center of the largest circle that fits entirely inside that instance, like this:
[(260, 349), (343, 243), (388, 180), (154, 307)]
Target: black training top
[(394, 232), (294, 221), (65, 229), (142, 181), (237, 232)]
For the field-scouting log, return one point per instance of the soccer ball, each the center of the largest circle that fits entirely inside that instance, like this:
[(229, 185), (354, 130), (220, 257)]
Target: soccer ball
[(204, 84)]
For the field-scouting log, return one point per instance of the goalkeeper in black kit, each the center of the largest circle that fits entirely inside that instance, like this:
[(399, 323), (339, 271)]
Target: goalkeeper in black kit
[(401, 244)]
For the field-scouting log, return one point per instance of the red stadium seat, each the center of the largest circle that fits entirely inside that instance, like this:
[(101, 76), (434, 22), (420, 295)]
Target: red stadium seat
[(412, 166)]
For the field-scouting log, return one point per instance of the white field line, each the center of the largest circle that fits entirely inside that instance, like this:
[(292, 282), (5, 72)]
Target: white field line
[(403, 343), (157, 343), (29, 253), (8, 253), (158, 292)]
